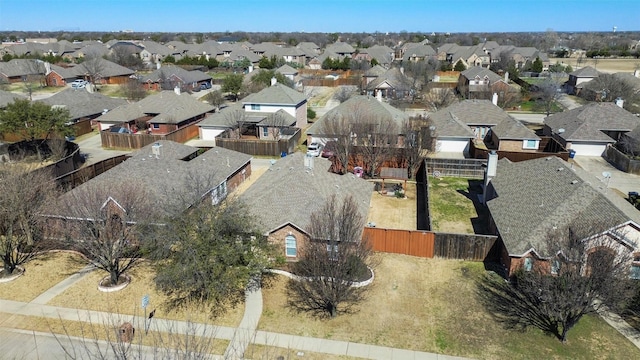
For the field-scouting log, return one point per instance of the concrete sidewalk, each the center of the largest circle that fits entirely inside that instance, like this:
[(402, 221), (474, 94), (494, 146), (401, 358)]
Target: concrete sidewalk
[(240, 337), (60, 287)]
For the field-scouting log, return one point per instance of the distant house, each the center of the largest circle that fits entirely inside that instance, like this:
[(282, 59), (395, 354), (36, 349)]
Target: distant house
[(7, 98), (18, 70), (481, 83), (288, 72), (308, 186), (82, 104), (103, 72), (580, 76), (529, 199), (383, 55), (159, 114), (483, 122), (392, 84), (589, 129), (168, 77), (268, 115)]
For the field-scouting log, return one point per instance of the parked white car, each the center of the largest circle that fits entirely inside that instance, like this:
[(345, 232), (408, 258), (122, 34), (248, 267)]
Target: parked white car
[(314, 149), (78, 84)]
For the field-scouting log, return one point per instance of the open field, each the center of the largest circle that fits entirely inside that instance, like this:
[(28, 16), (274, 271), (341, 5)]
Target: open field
[(604, 65), (431, 305), (451, 207), (40, 275), (393, 213), (85, 295)]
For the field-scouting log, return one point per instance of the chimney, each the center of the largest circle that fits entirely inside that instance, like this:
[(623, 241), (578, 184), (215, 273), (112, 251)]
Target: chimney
[(506, 77), (620, 102), (158, 65), (494, 99), (489, 173), (379, 95), (176, 90), (274, 81)]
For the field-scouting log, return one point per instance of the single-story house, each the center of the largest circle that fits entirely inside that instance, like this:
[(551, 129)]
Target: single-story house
[(589, 129), (83, 104), (18, 70), (103, 72), (529, 199), (168, 77), (160, 113), (283, 199)]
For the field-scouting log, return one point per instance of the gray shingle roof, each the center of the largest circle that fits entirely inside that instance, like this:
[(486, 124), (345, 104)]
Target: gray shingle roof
[(20, 67), (169, 174), (287, 70), (170, 108), (586, 71), (277, 94), (367, 107), (222, 119), (290, 193), (481, 72), (9, 97), (167, 72), (82, 103), (534, 196), (513, 129), (588, 121), (394, 78)]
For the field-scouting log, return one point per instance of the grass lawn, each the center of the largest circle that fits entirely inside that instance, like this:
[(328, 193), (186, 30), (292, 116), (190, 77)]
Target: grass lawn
[(450, 208), (272, 352), (393, 213), (85, 295), (533, 106), (94, 331), (40, 275), (431, 305)]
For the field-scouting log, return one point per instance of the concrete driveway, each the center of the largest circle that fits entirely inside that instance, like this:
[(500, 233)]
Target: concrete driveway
[(618, 180), (91, 146)]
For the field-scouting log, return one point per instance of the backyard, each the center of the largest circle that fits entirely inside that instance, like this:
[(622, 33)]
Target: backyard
[(390, 212), (453, 206), (431, 305)]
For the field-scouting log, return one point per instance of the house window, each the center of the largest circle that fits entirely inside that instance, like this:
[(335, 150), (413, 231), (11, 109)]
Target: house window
[(529, 144), (555, 267), (255, 107), (290, 246), (156, 126), (265, 131), (332, 250), (528, 264), (635, 272)]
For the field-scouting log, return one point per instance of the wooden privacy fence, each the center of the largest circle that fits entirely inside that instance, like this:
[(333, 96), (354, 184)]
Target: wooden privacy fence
[(138, 141), (463, 246), (71, 180), (429, 244), (261, 147), (407, 242)]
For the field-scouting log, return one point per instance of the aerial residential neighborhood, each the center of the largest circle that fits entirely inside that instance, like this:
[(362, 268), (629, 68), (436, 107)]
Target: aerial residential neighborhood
[(455, 191)]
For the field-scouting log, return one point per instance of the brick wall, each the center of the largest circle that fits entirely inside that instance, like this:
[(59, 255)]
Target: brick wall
[(278, 238)]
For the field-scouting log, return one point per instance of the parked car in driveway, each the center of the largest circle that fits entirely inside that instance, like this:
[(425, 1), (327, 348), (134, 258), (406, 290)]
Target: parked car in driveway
[(314, 149), (78, 84), (329, 149)]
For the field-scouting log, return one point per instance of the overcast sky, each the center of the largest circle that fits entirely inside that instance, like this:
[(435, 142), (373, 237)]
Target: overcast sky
[(320, 15)]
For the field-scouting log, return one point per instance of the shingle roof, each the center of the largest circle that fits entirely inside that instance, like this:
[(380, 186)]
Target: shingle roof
[(7, 97), (419, 51), (375, 71), (20, 67), (170, 108), (588, 121), (586, 71), (166, 72), (369, 108), (513, 130), (222, 119), (534, 196), (287, 70), (82, 103), (340, 47), (289, 193), (276, 94), (481, 72), (394, 78), (168, 174)]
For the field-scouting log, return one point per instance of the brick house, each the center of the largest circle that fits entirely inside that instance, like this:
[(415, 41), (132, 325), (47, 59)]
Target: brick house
[(529, 199), (284, 197)]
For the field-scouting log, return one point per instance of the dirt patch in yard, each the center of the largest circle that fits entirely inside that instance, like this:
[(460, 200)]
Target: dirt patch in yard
[(390, 212)]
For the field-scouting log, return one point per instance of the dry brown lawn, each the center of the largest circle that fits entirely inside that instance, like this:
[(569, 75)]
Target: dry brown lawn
[(85, 295), (40, 275), (271, 352), (604, 65), (94, 331), (392, 213), (431, 305)]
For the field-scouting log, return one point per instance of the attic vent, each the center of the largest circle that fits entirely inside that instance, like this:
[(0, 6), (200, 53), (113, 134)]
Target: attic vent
[(574, 182)]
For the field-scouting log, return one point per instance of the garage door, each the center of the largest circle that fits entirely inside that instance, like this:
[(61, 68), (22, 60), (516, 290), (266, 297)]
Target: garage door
[(588, 149), (452, 146), (209, 134)]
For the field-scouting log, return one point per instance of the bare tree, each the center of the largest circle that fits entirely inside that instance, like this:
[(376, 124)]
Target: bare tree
[(547, 93), (343, 94), (335, 258), (585, 273), (629, 145), (34, 75), (276, 122), (337, 128), (133, 90), (375, 139), (438, 98), (416, 142), (94, 66), (24, 194), (609, 87), (238, 117), (107, 224)]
